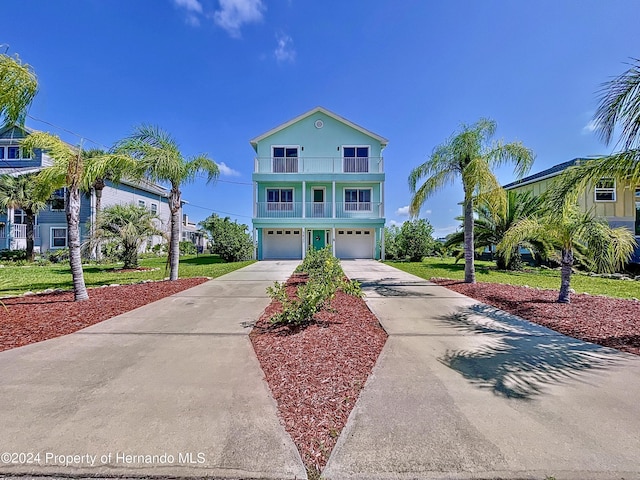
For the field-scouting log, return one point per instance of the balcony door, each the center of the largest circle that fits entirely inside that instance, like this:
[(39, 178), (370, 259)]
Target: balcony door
[(285, 159), (318, 202)]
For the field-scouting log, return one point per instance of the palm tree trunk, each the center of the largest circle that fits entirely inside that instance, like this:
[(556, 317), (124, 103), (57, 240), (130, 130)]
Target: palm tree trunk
[(469, 267), (565, 275), (174, 248), (31, 220), (73, 233)]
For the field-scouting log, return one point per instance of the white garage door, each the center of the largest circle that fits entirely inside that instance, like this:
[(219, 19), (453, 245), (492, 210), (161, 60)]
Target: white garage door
[(282, 244), (354, 243)]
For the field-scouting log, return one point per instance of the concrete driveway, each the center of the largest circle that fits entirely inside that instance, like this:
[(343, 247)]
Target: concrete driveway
[(173, 388), (463, 391)]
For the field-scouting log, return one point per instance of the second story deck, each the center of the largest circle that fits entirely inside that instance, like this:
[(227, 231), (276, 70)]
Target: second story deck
[(312, 165)]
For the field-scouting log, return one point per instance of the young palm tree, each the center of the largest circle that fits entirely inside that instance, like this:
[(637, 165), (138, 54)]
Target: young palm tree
[(471, 155), (128, 226), (619, 107), (493, 220), (70, 170), (20, 192), (160, 159), (609, 248), (18, 87)]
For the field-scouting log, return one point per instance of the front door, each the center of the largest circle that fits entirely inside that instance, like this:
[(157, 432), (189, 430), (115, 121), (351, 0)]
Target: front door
[(318, 202), (318, 239)]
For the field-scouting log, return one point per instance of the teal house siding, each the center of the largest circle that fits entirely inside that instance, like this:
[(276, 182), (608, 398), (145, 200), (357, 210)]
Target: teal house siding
[(319, 181)]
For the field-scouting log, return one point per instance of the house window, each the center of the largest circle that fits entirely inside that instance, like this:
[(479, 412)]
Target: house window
[(58, 237), (57, 200), (19, 216), (285, 159), (141, 203), (357, 199), (356, 159), (13, 153), (280, 199), (154, 208), (606, 190), (26, 153), (1, 153)]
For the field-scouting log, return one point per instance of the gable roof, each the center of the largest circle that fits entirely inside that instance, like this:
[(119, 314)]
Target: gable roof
[(382, 140), (548, 173)]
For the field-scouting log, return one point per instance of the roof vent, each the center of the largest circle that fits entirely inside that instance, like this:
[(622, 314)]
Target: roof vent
[(319, 124)]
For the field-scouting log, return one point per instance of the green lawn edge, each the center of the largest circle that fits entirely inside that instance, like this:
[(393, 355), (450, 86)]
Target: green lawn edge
[(532, 277), (35, 278)]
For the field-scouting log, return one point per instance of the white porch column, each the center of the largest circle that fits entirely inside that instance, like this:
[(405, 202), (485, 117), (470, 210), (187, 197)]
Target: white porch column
[(304, 199), (382, 243), (381, 210), (333, 200), (255, 243), (304, 242), (333, 241), (255, 200)]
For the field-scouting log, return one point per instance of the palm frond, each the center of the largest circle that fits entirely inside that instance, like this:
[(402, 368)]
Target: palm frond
[(202, 163), (18, 88)]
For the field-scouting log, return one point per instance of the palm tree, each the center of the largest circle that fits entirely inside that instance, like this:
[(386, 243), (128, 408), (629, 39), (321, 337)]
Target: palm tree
[(128, 226), (608, 248), (70, 170), (160, 159), (471, 155), (493, 220), (18, 87), (20, 192), (619, 107)]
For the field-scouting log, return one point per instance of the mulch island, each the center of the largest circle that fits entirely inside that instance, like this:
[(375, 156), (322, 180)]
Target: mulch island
[(316, 370), (611, 322), (35, 318)]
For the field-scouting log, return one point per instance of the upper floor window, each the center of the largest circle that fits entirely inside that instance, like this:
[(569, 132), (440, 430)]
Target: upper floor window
[(279, 199), (355, 159), (56, 202), (14, 153), (141, 203), (154, 208), (1, 153), (19, 216), (606, 190), (285, 159), (357, 199)]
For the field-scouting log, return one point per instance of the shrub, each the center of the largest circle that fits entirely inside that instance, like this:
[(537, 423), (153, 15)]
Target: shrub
[(230, 239), (13, 255), (58, 255), (187, 248), (325, 278)]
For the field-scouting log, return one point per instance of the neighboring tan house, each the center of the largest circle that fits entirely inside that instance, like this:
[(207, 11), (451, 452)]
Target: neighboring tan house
[(618, 203), (319, 181), (51, 225)]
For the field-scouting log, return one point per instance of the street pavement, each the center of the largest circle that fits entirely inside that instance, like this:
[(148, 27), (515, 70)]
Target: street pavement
[(172, 389), (465, 391)]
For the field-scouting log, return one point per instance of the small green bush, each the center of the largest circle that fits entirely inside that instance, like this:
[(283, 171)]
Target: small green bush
[(187, 248), (325, 278), (58, 255), (13, 255)]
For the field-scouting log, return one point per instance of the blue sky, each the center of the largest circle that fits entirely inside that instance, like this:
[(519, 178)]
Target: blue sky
[(216, 73)]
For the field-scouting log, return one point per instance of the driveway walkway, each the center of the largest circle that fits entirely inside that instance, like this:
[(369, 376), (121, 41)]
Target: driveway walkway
[(465, 391), (172, 388)]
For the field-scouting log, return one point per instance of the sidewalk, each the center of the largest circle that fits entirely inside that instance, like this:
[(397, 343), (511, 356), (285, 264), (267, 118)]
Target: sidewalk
[(173, 388), (464, 391)]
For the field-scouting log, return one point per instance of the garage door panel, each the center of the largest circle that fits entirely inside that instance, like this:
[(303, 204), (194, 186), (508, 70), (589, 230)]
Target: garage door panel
[(354, 243), (282, 244)]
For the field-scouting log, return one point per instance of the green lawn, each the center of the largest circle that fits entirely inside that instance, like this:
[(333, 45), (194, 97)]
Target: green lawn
[(38, 278), (485, 272)]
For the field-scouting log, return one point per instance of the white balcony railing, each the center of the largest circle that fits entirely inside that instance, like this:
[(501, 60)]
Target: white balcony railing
[(318, 165), (19, 231), (319, 210)]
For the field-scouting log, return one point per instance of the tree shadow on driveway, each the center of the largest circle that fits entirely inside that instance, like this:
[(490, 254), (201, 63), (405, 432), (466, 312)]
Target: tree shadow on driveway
[(518, 358)]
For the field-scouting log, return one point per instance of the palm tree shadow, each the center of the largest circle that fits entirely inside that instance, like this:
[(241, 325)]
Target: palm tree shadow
[(518, 359)]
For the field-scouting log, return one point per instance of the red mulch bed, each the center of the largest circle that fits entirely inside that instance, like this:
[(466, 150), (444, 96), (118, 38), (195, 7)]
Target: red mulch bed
[(612, 322), (316, 373), (35, 318)]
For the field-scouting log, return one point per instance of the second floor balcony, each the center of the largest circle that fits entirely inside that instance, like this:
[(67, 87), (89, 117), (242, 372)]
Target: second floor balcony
[(318, 165), (318, 210)]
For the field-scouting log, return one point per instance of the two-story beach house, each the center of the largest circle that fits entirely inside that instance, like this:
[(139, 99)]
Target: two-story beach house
[(51, 226), (318, 181), (618, 203)]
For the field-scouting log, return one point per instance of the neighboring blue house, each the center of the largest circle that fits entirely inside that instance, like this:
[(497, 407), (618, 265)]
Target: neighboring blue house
[(51, 225), (318, 181)]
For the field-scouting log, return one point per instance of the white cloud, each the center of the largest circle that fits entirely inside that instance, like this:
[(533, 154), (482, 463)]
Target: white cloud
[(428, 212), (403, 211), (441, 232), (284, 52), (590, 127), (393, 223), (227, 171), (234, 13), (189, 5)]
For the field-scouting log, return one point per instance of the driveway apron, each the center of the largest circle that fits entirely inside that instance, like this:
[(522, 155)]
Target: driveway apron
[(172, 388), (462, 390)]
